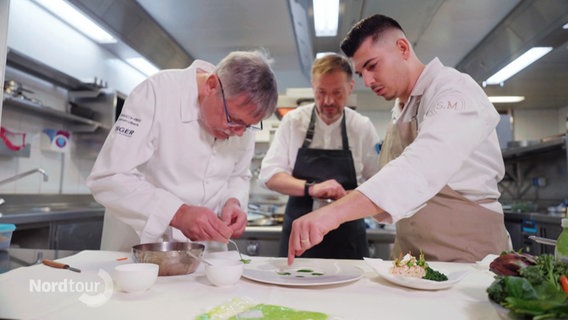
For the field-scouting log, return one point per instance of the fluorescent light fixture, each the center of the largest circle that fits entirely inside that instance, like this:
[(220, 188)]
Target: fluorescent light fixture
[(143, 66), (517, 65), (77, 20), (506, 99), (326, 17), (565, 26)]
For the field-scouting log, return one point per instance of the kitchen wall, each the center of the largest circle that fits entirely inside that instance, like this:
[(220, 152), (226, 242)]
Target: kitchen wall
[(537, 124), (4, 11), (44, 38)]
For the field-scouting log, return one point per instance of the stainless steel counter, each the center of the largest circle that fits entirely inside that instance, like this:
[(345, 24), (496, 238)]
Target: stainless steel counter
[(379, 234), (536, 216), (264, 241), (25, 209), (55, 221), (17, 257), (273, 232)]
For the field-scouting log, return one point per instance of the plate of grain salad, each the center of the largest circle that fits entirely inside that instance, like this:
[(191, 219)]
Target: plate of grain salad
[(411, 272)]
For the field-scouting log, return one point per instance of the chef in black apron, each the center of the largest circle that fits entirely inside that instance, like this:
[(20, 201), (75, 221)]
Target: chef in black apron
[(349, 241)]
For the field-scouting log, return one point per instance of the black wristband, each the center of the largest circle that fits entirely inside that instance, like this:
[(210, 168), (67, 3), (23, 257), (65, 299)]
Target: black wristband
[(307, 188)]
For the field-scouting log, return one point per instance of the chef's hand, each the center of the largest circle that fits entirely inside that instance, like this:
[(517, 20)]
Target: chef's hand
[(329, 189), (234, 217), (308, 231), (200, 224)]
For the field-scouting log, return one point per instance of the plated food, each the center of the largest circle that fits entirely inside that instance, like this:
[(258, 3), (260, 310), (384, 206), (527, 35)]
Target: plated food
[(302, 273), (400, 273), (410, 266)]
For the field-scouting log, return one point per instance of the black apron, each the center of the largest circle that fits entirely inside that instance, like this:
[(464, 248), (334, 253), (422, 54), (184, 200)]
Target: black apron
[(349, 241)]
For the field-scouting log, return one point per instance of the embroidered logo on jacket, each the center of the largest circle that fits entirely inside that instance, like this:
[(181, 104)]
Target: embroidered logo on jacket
[(129, 121)]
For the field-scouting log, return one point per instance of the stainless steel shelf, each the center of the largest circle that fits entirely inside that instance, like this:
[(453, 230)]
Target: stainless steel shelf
[(551, 145), (77, 124)]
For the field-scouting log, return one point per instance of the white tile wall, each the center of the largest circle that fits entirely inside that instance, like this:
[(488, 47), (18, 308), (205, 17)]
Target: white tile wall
[(67, 171)]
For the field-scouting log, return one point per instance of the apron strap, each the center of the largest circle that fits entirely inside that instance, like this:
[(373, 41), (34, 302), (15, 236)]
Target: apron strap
[(310, 132), (311, 129), (344, 133)]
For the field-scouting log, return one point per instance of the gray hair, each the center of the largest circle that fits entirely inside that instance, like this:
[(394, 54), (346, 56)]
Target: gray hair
[(249, 72)]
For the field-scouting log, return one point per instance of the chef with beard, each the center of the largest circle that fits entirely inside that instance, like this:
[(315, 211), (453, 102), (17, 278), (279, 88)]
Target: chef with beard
[(322, 151)]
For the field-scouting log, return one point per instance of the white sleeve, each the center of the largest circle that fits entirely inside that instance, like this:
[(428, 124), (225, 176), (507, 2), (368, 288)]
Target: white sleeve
[(369, 154), (116, 181), (447, 137), (277, 158)]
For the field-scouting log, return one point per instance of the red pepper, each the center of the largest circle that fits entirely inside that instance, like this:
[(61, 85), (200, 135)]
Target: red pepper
[(564, 283)]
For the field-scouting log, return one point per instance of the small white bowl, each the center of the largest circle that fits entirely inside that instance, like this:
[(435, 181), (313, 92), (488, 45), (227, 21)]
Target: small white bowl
[(228, 255), (135, 277), (224, 272)]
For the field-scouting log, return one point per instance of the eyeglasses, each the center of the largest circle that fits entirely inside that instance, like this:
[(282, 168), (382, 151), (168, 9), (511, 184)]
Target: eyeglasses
[(235, 124)]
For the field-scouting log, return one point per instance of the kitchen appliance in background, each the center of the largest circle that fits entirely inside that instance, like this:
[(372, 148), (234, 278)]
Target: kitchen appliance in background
[(16, 90), (529, 228), (55, 140), (539, 226)]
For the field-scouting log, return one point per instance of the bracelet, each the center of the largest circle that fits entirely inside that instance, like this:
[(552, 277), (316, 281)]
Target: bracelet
[(307, 188)]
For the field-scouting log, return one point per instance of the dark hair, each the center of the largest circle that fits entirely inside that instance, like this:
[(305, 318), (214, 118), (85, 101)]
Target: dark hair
[(330, 63), (373, 26)]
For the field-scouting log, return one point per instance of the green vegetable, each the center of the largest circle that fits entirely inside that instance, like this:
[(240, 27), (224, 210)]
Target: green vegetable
[(243, 309), (536, 293), (421, 260), (305, 270), (434, 275), (279, 312), (246, 261), (497, 291)]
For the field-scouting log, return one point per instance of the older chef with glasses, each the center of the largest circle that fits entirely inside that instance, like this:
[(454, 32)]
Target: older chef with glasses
[(175, 167)]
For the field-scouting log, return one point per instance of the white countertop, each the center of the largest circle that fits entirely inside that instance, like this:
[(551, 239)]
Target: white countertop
[(185, 297)]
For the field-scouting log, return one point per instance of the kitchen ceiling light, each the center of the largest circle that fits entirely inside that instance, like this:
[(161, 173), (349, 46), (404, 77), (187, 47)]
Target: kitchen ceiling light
[(565, 26), (77, 20), (517, 65), (143, 66), (506, 99), (326, 17)]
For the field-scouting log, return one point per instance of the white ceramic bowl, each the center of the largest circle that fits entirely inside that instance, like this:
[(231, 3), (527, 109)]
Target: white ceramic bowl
[(135, 277), (228, 255), (224, 272)]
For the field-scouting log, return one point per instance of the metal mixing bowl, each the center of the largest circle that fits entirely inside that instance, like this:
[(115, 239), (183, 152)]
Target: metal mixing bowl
[(174, 258)]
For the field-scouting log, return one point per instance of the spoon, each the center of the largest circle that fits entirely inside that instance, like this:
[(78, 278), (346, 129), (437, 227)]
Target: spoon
[(243, 260), (199, 258), (550, 242)]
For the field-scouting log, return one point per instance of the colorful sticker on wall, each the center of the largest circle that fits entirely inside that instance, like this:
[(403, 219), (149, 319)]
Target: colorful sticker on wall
[(55, 140)]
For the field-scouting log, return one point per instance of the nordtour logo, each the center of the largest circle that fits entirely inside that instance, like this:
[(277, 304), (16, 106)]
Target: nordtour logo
[(94, 293)]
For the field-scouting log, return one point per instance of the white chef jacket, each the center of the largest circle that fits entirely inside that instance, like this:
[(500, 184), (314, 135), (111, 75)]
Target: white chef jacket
[(281, 156), (456, 145), (158, 157)]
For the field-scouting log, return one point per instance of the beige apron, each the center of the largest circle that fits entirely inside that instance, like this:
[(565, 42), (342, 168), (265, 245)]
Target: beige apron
[(450, 227)]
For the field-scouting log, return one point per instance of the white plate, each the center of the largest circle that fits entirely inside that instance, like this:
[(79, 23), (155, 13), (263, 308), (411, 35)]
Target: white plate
[(304, 272), (382, 267)]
